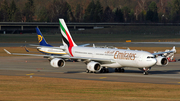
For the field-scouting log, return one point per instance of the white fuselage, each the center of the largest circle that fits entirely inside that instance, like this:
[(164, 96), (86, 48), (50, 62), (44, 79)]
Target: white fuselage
[(122, 58)]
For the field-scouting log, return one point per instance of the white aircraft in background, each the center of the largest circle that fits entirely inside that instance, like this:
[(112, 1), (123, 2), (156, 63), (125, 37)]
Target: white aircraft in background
[(99, 59), (46, 48)]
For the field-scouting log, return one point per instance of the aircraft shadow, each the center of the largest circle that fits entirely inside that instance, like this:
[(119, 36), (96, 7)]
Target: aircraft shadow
[(165, 72), (155, 72), (69, 72), (131, 71)]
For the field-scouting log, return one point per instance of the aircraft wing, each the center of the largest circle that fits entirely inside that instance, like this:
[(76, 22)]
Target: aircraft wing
[(91, 59), (24, 54), (67, 57), (173, 50), (83, 45)]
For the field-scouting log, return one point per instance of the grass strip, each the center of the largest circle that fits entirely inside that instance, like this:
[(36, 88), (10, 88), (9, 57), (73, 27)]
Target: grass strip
[(24, 88)]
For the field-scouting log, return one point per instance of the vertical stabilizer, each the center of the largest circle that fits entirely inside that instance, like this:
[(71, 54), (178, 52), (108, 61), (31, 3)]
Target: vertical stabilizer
[(66, 37), (41, 39)]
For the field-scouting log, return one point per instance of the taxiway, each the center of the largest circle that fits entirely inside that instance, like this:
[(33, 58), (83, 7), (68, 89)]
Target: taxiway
[(38, 66)]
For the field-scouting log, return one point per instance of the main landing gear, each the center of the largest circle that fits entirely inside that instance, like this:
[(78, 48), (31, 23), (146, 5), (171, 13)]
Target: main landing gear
[(120, 70), (103, 70)]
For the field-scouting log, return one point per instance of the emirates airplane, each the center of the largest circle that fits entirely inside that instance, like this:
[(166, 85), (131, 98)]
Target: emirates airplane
[(99, 59)]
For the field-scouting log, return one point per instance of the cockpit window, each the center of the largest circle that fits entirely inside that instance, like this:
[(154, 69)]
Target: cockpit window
[(150, 57)]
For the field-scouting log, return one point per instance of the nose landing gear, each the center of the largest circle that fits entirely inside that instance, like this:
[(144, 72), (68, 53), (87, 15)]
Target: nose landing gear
[(145, 73), (145, 70)]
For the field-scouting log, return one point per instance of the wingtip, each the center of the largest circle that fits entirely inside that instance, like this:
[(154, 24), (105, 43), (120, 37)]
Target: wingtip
[(174, 49), (7, 51), (26, 49)]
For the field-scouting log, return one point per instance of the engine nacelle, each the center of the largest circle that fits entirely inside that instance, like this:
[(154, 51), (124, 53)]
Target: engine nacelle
[(161, 61), (57, 62), (94, 66)]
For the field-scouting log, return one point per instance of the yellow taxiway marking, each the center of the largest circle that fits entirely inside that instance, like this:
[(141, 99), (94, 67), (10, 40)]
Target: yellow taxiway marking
[(174, 82), (102, 77), (30, 74)]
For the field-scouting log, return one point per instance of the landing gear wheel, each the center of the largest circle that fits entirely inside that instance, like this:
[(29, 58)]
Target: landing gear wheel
[(146, 69), (145, 73), (104, 70), (87, 71), (120, 70), (91, 72), (107, 70)]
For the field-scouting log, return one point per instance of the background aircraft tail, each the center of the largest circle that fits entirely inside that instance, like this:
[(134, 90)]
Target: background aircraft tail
[(66, 37), (41, 39)]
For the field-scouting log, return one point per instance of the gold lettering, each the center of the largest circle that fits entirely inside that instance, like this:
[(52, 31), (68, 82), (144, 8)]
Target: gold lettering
[(116, 55), (125, 56), (133, 57)]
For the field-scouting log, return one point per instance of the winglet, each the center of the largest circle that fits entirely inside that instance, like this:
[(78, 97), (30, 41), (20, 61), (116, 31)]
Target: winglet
[(26, 49), (94, 46), (7, 51), (174, 49)]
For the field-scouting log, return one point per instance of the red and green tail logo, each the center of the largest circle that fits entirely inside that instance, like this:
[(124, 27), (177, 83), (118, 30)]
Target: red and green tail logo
[(66, 37)]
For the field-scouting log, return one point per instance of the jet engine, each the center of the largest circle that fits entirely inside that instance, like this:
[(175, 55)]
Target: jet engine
[(94, 66), (161, 61), (57, 62)]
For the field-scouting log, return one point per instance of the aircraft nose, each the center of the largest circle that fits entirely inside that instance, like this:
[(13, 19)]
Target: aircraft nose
[(154, 61), (151, 62)]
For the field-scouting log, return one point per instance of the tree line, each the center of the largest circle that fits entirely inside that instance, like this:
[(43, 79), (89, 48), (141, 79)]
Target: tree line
[(143, 12)]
